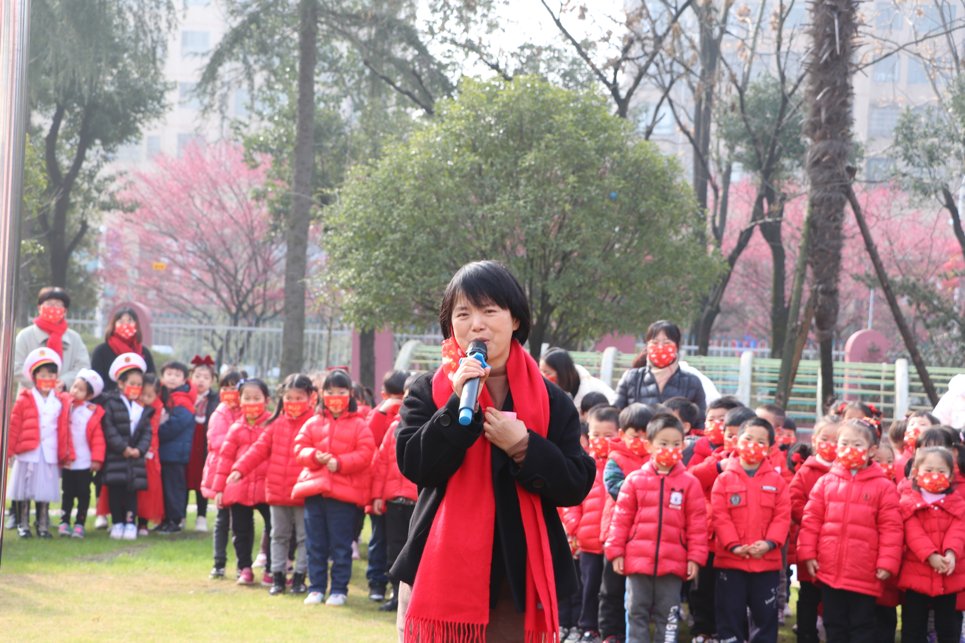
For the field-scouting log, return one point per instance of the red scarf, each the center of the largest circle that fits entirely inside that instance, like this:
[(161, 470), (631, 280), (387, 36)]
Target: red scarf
[(56, 331), (450, 596), (120, 345)]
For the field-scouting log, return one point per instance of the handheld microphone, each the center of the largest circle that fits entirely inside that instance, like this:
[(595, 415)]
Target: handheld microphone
[(470, 390)]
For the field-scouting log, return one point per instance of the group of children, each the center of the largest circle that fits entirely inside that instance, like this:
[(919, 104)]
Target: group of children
[(134, 445), (716, 516)]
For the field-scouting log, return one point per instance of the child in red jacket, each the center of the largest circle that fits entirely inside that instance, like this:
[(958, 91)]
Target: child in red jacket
[(584, 520), (851, 534), (713, 438), (275, 446), (227, 413), (934, 541), (335, 448), (752, 516), (824, 441), (87, 438), (657, 538), (915, 424), (150, 501)]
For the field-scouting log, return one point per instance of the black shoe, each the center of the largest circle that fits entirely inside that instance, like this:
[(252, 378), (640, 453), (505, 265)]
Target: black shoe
[(24, 532), (217, 573), (162, 528), (376, 593), (277, 584), (43, 533), (391, 605), (298, 584)]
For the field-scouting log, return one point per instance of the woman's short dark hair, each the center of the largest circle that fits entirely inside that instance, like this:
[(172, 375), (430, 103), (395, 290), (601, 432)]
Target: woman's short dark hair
[(341, 379), (486, 282), (53, 292), (120, 312), (668, 328), (567, 377)]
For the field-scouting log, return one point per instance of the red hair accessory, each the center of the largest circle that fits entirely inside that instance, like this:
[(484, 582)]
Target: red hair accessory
[(796, 458), (197, 360)]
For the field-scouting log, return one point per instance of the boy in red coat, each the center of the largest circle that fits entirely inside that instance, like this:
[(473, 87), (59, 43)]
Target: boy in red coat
[(851, 534), (87, 438), (713, 437), (657, 538), (752, 516)]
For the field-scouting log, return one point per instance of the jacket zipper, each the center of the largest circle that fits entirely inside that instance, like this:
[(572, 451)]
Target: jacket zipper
[(656, 553), (847, 517)]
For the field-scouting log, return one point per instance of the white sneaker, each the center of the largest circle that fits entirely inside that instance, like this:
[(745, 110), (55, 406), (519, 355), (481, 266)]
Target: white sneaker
[(100, 522), (10, 522), (117, 532), (201, 524), (260, 561), (314, 598), (130, 531), (787, 611), (336, 600)]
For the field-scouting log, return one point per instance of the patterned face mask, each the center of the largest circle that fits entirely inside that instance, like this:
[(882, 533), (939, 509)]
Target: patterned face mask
[(852, 457), (253, 410), (933, 481), (751, 452), (336, 404), (599, 448), (828, 451), (295, 409), (661, 356), (667, 457), (638, 447), (714, 430)]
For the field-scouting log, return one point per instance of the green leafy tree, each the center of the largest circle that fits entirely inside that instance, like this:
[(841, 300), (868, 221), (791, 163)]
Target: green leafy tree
[(597, 225)]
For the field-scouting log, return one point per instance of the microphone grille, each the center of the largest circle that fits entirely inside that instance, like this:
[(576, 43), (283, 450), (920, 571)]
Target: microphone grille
[(478, 347)]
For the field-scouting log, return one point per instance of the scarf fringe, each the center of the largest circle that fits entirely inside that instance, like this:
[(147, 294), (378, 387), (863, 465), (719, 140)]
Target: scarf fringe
[(418, 630)]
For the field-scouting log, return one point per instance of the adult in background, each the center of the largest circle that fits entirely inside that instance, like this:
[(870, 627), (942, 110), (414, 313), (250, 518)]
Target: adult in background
[(656, 374), (487, 555), (558, 367), (123, 335)]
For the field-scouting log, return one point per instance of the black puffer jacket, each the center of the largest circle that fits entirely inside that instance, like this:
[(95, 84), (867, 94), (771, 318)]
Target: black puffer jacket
[(639, 385), (119, 470)]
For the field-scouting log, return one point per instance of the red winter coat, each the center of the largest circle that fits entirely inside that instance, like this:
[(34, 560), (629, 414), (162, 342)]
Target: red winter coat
[(379, 422), (703, 450), (706, 473), (747, 509), (24, 434), (778, 458), (583, 521), (95, 433), (932, 529), (221, 420), (660, 523), (250, 490), (628, 462), (276, 447), (800, 489), (388, 482), (348, 439), (852, 527)]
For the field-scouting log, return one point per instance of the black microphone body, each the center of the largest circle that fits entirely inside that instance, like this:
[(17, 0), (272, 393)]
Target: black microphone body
[(470, 390)]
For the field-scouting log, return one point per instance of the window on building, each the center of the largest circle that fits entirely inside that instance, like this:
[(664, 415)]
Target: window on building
[(152, 145), (886, 17), (882, 120), (917, 73), (886, 71), (194, 42), (934, 15), (128, 152), (187, 97), (186, 140)]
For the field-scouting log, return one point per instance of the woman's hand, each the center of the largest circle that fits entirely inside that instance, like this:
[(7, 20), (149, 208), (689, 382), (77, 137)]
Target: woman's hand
[(504, 432), (469, 369)]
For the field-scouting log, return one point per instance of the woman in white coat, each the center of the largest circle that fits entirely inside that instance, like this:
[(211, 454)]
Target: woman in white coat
[(558, 367)]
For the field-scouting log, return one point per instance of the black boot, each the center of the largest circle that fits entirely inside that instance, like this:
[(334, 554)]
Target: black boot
[(277, 584), (298, 583), (390, 605)]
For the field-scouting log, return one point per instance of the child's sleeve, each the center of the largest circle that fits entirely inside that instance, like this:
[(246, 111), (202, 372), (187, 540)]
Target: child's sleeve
[(226, 461), (257, 453), (380, 469), (571, 518), (305, 447), (16, 424), (811, 521), (799, 495), (706, 471), (780, 524), (623, 516), (724, 527), (115, 443), (95, 435), (179, 423), (360, 458), (891, 533), (696, 524), (613, 478), (954, 539), (917, 540)]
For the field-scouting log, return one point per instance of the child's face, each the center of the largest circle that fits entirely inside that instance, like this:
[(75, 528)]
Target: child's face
[(148, 395), (916, 425), (201, 379), (854, 414), (686, 424), (755, 435), (630, 434), (715, 415), (730, 436), (295, 395), (849, 437), (668, 439), (132, 385), (598, 429), (826, 434), (884, 454), (45, 379), (78, 390), (172, 378), (933, 463)]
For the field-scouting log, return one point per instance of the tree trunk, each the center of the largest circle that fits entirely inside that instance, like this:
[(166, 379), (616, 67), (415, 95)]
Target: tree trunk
[(830, 94), (704, 101), (299, 217), (903, 328), (367, 358), (771, 231), (798, 326)]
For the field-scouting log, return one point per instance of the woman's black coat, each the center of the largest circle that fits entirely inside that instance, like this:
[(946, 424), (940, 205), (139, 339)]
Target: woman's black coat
[(430, 448), (639, 385), (119, 470), (101, 360)]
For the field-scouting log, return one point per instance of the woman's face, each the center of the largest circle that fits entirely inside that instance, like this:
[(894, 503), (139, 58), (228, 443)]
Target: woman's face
[(488, 323), (548, 371), (125, 319)]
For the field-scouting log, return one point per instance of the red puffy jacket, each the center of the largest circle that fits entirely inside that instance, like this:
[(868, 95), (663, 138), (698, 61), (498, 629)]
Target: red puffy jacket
[(95, 433), (778, 458), (627, 462), (24, 433), (221, 420), (388, 482), (250, 490), (800, 488), (852, 527), (379, 422), (583, 521), (349, 440), (748, 509), (276, 446), (706, 473), (660, 523), (703, 450), (932, 529)]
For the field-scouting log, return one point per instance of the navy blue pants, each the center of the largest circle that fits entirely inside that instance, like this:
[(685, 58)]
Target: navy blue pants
[(737, 591), (329, 531), (591, 575), (613, 612), (378, 554), (849, 617), (175, 488)]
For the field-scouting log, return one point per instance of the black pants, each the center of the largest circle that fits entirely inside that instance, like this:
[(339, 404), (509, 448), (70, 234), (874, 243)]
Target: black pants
[(737, 591), (75, 486), (849, 617), (222, 524), (397, 518), (243, 528), (591, 575), (175, 490), (613, 612), (808, 600), (914, 618), (202, 503), (570, 605), (701, 601), (886, 624), (123, 503)]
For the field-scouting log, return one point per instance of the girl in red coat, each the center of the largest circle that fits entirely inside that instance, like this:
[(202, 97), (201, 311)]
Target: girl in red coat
[(150, 502), (934, 541), (752, 516), (276, 447), (657, 538), (851, 535), (824, 441), (247, 496), (915, 424), (335, 448), (227, 413)]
